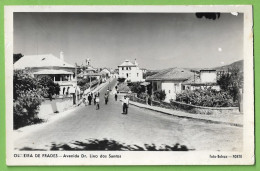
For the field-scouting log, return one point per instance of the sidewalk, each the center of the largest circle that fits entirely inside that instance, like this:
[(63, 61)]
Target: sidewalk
[(232, 119)]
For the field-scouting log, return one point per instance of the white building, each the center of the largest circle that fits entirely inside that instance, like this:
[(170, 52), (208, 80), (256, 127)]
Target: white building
[(106, 72), (176, 80), (207, 78), (56, 68), (130, 71), (170, 80)]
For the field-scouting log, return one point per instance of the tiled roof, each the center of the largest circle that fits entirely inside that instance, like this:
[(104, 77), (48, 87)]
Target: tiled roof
[(172, 74), (127, 63), (47, 60)]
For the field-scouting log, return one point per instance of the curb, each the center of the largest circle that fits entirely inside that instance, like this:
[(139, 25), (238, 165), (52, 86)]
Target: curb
[(190, 117)]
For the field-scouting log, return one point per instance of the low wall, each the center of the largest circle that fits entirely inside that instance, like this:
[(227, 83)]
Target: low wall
[(203, 110), (54, 106), (188, 107)]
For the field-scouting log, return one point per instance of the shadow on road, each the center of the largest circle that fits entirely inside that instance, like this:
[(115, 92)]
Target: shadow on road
[(109, 145)]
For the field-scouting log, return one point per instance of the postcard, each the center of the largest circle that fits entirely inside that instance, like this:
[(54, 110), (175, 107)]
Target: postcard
[(129, 85)]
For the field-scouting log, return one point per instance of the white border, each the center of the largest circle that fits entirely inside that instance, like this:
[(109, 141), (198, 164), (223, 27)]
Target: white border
[(138, 158)]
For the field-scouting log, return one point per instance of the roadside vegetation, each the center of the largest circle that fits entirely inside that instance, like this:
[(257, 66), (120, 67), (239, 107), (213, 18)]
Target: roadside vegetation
[(28, 94), (229, 95)]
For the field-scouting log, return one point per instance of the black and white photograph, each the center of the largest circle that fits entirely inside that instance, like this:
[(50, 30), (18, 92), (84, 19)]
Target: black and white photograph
[(116, 86)]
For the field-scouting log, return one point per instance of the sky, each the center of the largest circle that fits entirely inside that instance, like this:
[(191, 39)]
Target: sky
[(155, 40)]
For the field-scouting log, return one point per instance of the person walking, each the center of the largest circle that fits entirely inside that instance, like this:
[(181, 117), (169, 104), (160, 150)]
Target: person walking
[(116, 95), (106, 98), (125, 103), (84, 101), (97, 103), (89, 99)]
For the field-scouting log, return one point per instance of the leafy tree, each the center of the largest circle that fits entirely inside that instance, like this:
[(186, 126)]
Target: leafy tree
[(121, 80), (160, 95), (27, 95), (231, 82), (136, 87), (51, 87)]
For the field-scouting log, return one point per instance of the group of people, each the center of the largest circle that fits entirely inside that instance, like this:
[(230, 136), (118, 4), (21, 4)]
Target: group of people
[(95, 97), (92, 96)]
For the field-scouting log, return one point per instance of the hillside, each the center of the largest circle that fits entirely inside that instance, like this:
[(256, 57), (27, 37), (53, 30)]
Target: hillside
[(238, 64)]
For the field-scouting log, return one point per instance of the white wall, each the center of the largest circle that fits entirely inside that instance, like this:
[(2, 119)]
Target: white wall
[(134, 74), (171, 89), (208, 77)]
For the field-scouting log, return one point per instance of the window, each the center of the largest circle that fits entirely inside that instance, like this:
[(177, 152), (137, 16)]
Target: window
[(169, 91), (137, 74), (122, 68)]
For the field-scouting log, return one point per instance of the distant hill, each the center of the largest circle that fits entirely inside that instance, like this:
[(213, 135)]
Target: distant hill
[(237, 64)]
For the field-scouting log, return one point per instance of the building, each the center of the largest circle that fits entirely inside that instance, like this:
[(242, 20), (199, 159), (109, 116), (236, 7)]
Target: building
[(176, 80), (87, 70), (56, 68), (130, 71), (170, 80), (106, 72), (207, 78)]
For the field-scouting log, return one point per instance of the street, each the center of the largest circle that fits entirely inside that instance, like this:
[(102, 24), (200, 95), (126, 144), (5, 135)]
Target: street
[(138, 127)]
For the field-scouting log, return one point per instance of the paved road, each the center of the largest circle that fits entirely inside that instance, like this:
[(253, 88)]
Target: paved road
[(138, 127)]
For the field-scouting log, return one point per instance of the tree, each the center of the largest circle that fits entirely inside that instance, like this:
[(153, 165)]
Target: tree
[(159, 95), (27, 96), (231, 82), (51, 87), (136, 87)]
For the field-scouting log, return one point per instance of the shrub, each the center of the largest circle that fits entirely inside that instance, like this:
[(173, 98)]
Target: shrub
[(136, 87), (159, 95), (121, 80), (51, 87), (208, 98), (231, 82), (27, 95)]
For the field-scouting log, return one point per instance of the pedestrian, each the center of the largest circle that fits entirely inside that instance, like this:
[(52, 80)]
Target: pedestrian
[(125, 103), (116, 95), (106, 98), (89, 99), (97, 103), (98, 93), (84, 101)]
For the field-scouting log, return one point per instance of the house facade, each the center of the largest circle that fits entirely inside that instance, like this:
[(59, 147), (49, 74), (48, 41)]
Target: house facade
[(176, 80), (56, 68), (206, 79), (130, 71), (170, 80)]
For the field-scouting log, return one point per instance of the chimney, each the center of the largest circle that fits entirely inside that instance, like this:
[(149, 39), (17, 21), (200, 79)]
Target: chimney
[(61, 56), (136, 63)]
